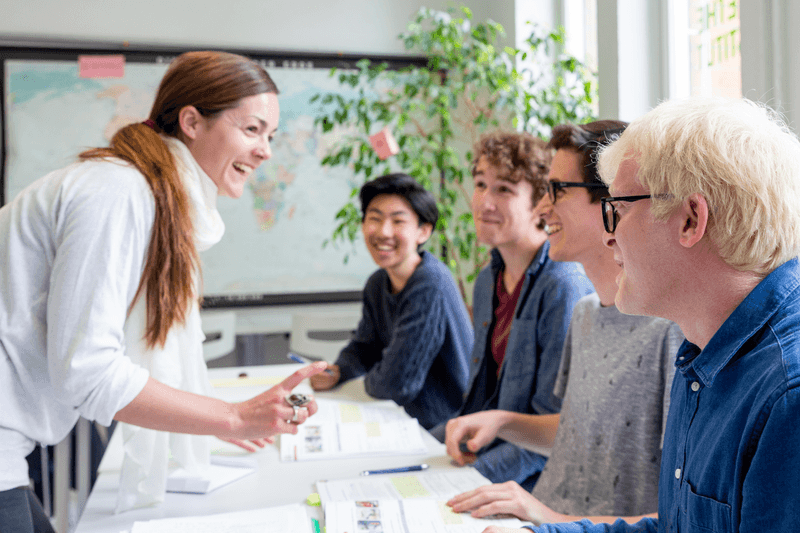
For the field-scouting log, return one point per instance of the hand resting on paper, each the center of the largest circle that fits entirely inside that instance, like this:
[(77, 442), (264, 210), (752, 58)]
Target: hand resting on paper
[(510, 498), (507, 499)]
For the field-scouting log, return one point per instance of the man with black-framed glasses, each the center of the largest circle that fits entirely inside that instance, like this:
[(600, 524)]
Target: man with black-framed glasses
[(615, 375)]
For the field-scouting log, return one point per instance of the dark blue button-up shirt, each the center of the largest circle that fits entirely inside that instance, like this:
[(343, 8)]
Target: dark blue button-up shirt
[(533, 354), (731, 458)]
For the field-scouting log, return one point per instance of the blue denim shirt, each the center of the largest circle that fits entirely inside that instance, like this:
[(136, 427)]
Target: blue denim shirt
[(533, 355), (731, 458)]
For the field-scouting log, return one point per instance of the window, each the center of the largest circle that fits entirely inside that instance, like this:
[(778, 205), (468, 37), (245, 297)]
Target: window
[(580, 24), (715, 64)]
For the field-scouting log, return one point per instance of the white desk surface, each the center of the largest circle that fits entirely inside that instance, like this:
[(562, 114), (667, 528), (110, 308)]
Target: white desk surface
[(274, 483)]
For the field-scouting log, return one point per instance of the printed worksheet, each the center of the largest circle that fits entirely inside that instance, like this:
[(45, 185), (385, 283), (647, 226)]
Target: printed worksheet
[(432, 485), (405, 516), (346, 429), (339, 412)]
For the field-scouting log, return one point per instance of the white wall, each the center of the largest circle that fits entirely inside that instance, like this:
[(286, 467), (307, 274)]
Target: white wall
[(350, 26), (628, 87)]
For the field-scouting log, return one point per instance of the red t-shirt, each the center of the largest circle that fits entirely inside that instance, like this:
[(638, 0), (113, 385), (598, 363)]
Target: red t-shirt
[(503, 316)]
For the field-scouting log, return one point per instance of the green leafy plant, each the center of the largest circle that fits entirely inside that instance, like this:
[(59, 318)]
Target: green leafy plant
[(468, 86)]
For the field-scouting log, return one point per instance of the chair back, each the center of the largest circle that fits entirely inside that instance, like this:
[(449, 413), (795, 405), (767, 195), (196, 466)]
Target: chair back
[(322, 334), (219, 328)]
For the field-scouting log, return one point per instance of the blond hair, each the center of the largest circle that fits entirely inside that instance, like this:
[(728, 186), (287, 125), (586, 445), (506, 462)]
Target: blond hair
[(739, 155)]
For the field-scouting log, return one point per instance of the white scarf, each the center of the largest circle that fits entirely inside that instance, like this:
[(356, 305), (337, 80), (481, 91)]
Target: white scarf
[(179, 363)]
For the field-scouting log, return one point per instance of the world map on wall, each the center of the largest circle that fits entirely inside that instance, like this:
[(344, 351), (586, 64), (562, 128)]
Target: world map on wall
[(274, 232)]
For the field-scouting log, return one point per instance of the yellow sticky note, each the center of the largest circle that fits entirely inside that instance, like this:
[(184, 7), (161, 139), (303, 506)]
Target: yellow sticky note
[(350, 413), (410, 487), (373, 429)]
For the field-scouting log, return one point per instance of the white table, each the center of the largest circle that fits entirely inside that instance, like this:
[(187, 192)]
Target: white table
[(274, 483)]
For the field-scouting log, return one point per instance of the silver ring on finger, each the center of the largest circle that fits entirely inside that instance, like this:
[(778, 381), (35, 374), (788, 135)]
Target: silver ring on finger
[(296, 416)]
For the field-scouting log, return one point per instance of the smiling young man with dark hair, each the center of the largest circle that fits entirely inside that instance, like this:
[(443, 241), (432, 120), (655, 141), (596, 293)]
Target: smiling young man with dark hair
[(414, 337)]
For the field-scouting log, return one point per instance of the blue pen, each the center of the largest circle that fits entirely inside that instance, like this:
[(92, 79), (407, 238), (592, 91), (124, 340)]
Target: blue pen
[(297, 359), (302, 360), (415, 468)]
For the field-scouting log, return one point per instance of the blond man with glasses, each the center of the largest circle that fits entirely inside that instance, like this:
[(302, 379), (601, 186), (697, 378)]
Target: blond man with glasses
[(713, 244)]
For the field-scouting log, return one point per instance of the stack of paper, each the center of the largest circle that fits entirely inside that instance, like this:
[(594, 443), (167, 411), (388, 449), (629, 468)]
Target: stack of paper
[(431, 485), (406, 516), (348, 429), (404, 503)]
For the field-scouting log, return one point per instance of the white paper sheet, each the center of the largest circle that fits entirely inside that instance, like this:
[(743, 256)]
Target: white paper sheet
[(339, 412), (405, 516), (346, 429), (435, 485), (284, 519), (222, 471)]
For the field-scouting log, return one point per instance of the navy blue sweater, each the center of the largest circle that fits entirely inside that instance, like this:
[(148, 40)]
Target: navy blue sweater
[(413, 346)]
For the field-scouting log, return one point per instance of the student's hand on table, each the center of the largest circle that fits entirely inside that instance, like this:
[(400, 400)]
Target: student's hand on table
[(326, 380), (504, 498), (269, 414), (251, 445), (476, 430), (496, 529)]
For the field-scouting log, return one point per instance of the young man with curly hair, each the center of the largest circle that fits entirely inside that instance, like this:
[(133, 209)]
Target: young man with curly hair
[(522, 301)]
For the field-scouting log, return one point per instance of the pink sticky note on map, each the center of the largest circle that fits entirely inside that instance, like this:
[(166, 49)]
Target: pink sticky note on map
[(384, 144), (107, 66)]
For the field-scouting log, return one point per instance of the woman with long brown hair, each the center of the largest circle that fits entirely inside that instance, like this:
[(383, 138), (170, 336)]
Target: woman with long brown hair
[(100, 280)]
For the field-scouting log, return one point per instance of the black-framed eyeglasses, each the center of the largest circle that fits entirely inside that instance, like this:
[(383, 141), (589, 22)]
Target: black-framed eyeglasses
[(610, 215), (555, 187)]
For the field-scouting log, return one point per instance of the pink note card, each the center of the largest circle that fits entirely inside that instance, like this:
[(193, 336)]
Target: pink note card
[(384, 143), (108, 66)]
